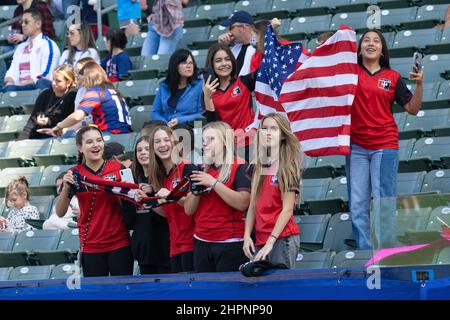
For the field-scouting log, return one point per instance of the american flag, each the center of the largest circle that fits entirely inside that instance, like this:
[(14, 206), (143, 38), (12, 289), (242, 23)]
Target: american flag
[(318, 95)]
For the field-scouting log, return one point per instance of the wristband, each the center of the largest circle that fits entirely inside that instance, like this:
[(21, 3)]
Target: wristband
[(214, 184), (276, 238)]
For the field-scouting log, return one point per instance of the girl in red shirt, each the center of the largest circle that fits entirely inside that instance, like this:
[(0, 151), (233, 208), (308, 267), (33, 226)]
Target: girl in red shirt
[(219, 212), (372, 165), (104, 239), (275, 182)]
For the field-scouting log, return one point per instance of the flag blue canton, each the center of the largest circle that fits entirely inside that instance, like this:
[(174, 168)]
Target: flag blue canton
[(280, 60)]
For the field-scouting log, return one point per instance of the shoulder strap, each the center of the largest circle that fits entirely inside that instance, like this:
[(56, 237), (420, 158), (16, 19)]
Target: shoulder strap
[(240, 58)]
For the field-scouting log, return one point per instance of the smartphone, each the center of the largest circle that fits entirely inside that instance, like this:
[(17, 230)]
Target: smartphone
[(126, 175), (209, 72), (417, 61)]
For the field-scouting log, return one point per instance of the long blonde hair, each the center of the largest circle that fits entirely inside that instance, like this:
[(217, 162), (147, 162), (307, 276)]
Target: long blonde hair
[(289, 170), (226, 136), (67, 72)]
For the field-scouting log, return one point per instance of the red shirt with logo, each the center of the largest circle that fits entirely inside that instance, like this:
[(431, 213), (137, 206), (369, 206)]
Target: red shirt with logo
[(181, 226), (106, 231), (373, 126), (215, 220), (269, 205)]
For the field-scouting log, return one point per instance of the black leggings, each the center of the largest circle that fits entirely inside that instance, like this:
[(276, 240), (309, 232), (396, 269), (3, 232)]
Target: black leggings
[(183, 262), (115, 263), (218, 257)]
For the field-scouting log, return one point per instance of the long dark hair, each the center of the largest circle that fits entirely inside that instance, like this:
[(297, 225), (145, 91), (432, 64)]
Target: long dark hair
[(136, 167), (173, 76), (212, 52), (384, 59), (79, 139), (86, 38), (117, 38)]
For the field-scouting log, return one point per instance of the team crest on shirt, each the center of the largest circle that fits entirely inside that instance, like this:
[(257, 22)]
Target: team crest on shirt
[(236, 91), (274, 180), (384, 84), (110, 177)]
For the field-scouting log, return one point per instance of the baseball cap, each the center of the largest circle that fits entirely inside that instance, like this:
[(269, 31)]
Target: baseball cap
[(113, 149), (237, 17)]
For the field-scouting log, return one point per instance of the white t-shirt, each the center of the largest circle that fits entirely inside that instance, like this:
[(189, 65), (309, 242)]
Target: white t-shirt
[(91, 52), (248, 57)]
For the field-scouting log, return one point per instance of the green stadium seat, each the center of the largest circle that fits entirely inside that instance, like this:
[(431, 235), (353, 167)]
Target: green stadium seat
[(63, 271), (134, 46), (434, 66), (7, 12), (69, 240), (403, 66), (426, 121), (409, 221), (21, 152), (312, 189), (427, 150), (329, 166), (4, 274), (430, 92), (200, 57), (216, 31), (14, 124), (7, 241), (30, 273), (254, 6), (139, 115), (400, 119), (50, 173), (443, 257), (285, 8), (356, 258), (443, 46), (410, 182), (126, 139), (429, 15), (437, 180), (327, 6), (62, 152), (207, 14), (444, 92), (339, 235), (336, 198), (406, 42), (4, 33), (312, 230), (394, 18), (20, 99), (138, 91), (136, 61), (189, 16), (301, 26), (405, 148), (33, 175), (193, 35), (443, 213), (314, 260), (355, 20), (42, 203)]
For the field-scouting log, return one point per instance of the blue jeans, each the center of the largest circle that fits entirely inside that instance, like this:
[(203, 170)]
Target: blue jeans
[(372, 172), (40, 84), (156, 44)]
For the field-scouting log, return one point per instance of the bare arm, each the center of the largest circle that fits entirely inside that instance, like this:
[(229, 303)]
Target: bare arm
[(191, 204), (63, 202), (235, 199), (413, 106)]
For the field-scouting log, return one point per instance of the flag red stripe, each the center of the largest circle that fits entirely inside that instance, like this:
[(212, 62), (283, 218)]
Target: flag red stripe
[(308, 93), (328, 151), (319, 113), (323, 132), (330, 49), (316, 72)]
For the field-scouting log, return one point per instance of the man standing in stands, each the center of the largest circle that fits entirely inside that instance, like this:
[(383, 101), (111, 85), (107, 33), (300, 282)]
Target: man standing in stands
[(34, 59), (239, 34)]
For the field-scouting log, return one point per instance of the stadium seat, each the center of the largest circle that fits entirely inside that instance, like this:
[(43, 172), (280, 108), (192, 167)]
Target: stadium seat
[(189, 16), (356, 258), (192, 35), (216, 31), (394, 18), (150, 67), (314, 260), (443, 257), (66, 252), (408, 41), (339, 235), (312, 188), (33, 175), (134, 47), (4, 274), (429, 15), (21, 152), (50, 173), (44, 205), (329, 166), (444, 92), (444, 46), (405, 148), (410, 182), (410, 222), (327, 6), (400, 119), (13, 125), (335, 199), (302, 26), (426, 121), (434, 66), (139, 115), (426, 151), (207, 14), (355, 20), (126, 139), (62, 152), (254, 6), (430, 93), (200, 57), (437, 180), (69, 240), (285, 8), (443, 213), (403, 66), (63, 271), (7, 12), (312, 230), (7, 241), (30, 273), (19, 99), (138, 91)]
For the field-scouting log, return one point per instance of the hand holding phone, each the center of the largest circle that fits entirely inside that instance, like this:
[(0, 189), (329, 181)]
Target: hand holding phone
[(416, 74), (126, 175)]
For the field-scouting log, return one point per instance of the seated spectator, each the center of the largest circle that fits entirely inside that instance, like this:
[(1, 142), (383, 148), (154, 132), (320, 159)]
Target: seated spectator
[(80, 45), (165, 27), (52, 105), (178, 99), (65, 222), (17, 195), (107, 106), (17, 35), (116, 63), (116, 152), (34, 60)]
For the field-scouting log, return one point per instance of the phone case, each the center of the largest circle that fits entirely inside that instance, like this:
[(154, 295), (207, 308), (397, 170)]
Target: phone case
[(126, 175)]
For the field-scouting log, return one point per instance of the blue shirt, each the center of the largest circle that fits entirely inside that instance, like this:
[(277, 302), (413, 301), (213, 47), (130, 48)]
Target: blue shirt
[(118, 66)]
